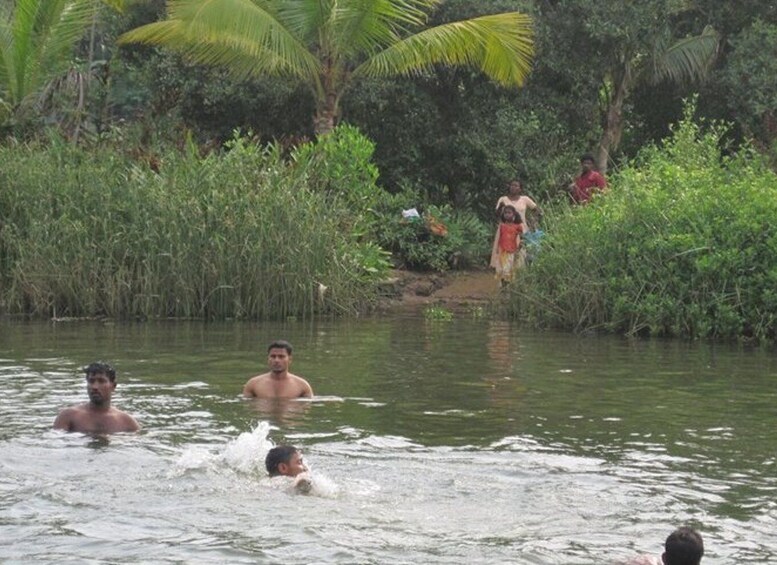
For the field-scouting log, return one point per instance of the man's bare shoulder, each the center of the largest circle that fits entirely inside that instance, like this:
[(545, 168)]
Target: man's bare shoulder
[(126, 422), (67, 416), (306, 391), (270, 386), (81, 419), (255, 383)]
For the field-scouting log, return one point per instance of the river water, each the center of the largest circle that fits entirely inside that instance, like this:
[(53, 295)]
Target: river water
[(463, 441)]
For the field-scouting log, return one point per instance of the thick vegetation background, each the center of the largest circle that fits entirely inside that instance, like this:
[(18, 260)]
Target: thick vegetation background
[(124, 190)]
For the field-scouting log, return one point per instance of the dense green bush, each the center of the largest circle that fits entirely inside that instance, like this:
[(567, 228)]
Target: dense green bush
[(749, 77), (415, 242), (238, 234), (683, 244)]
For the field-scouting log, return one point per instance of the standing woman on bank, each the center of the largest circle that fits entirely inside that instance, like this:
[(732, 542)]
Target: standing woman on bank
[(521, 203), (517, 200)]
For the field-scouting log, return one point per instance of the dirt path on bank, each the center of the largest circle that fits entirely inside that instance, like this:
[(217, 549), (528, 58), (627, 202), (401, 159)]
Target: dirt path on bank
[(455, 289)]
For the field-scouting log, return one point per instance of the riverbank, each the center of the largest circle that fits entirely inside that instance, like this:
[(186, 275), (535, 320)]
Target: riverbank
[(409, 290)]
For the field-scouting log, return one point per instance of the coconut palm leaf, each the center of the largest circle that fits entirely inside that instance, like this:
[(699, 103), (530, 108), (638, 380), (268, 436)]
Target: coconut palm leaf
[(499, 45), (322, 41), (35, 43), (229, 33), (362, 27), (60, 32), (688, 60)]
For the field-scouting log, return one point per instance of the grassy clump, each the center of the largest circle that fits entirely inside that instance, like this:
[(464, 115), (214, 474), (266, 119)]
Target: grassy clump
[(441, 238), (683, 244), (241, 234)]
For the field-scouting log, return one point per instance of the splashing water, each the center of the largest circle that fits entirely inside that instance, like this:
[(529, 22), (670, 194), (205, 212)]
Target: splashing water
[(245, 454)]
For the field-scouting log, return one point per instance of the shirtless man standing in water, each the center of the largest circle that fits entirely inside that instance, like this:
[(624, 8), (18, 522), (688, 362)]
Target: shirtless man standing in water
[(278, 383), (97, 416)]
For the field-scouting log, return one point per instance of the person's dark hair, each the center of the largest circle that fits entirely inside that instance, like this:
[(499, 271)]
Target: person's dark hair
[(100, 367), (587, 157), (280, 344), (276, 456), (684, 546), (516, 215)]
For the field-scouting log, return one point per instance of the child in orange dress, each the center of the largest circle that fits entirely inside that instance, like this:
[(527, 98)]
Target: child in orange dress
[(506, 255)]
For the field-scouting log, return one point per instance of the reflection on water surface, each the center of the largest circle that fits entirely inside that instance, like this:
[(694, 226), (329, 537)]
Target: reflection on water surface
[(437, 442)]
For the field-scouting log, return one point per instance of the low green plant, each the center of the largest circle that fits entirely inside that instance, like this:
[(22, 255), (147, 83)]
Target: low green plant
[(419, 243), (239, 234), (438, 313), (683, 244), (477, 312)]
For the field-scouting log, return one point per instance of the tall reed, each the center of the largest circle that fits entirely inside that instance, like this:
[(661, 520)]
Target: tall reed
[(233, 235)]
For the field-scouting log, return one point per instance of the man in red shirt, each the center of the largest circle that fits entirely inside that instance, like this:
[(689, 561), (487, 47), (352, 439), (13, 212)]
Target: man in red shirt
[(589, 181)]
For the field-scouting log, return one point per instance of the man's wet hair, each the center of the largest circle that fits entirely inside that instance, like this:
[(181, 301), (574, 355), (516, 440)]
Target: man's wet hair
[(587, 157), (684, 546), (276, 456), (100, 367), (280, 344)]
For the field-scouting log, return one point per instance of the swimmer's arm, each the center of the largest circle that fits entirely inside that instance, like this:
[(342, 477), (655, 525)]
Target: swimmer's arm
[(130, 424), (249, 389), (64, 420), (307, 391), (303, 483)]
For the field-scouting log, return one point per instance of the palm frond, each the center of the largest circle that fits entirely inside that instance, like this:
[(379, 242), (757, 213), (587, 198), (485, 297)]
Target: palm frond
[(63, 30), (227, 32), (500, 45), (22, 26), (366, 26), (118, 5), (6, 52), (687, 60), (305, 18), (36, 41)]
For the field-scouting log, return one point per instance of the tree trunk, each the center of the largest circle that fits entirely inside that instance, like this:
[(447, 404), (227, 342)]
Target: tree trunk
[(84, 87), (613, 120), (328, 103), (324, 121)]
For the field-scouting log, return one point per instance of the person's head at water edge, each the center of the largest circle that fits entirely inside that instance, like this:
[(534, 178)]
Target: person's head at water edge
[(285, 460), (100, 382), (684, 546), (279, 356)]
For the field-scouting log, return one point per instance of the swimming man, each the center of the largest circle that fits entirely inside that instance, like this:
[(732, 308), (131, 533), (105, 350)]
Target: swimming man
[(97, 416), (286, 460), (279, 382)]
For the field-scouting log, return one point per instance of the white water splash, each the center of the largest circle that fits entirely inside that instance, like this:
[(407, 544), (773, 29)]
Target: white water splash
[(245, 454), (248, 451)]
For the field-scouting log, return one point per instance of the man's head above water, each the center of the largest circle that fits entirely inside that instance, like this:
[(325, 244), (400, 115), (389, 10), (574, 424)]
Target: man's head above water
[(684, 546), (284, 460)]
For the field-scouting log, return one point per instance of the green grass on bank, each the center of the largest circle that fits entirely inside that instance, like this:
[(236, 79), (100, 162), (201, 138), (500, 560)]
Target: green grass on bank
[(241, 234)]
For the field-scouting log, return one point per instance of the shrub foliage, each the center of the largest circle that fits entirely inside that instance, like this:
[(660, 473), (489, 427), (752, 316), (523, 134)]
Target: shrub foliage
[(241, 234), (683, 244)]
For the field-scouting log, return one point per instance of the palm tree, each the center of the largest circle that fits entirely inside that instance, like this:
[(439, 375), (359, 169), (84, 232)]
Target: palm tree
[(328, 43), (684, 61), (36, 44)]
